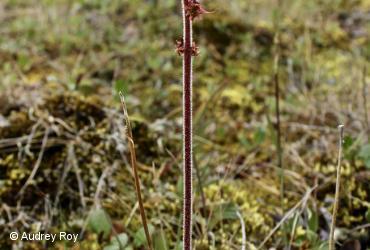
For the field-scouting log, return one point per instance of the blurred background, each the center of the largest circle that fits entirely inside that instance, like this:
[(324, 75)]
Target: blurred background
[(64, 158)]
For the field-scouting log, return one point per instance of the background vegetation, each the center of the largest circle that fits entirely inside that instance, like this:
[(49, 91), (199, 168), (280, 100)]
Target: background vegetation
[(63, 63)]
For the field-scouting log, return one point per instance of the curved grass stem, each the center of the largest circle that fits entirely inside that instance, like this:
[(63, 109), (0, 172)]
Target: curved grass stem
[(337, 190), (135, 172)]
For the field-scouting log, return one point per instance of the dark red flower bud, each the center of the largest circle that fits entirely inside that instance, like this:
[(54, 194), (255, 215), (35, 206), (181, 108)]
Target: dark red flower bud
[(180, 47), (194, 49), (195, 9)]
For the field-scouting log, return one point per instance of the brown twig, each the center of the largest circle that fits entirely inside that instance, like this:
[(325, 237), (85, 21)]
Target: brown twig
[(135, 171)]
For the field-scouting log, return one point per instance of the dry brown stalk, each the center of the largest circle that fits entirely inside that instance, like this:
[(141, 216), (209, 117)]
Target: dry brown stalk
[(337, 190), (130, 139)]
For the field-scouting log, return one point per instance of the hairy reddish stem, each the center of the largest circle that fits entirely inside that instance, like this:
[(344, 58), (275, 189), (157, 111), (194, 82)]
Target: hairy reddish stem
[(187, 127)]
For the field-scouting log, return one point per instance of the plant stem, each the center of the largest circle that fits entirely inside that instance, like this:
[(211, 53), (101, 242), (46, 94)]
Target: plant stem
[(200, 185), (187, 126), (364, 95), (277, 99), (277, 113), (337, 190), (130, 139), (276, 55)]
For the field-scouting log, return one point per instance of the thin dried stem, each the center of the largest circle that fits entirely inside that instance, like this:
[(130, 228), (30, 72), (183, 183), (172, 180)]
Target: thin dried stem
[(287, 216), (244, 235), (337, 190), (202, 195), (200, 184), (135, 171)]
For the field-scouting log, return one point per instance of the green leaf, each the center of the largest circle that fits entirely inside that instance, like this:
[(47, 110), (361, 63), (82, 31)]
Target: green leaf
[(367, 162), (120, 85), (365, 154), (24, 62), (179, 186), (259, 136), (160, 242), (112, 247), (244, 141), (347, 142), (230, 212), (178, 246), (116, 247), (367, 215), (312, 237), (323, 246), (365, 151), (120, 240), (223, 212), (139, 238), (289, 224), (99, 222), (313, 221)]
